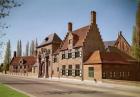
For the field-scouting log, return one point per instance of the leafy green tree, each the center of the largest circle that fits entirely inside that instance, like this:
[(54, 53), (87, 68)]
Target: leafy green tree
[(136, 35), (134, 40), (7, 57)]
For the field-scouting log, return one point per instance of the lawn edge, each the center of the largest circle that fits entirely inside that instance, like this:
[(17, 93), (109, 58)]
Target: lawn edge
[(20, 91)]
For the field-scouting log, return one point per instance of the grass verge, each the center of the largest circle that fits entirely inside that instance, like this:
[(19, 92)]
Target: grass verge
[(8, 92)]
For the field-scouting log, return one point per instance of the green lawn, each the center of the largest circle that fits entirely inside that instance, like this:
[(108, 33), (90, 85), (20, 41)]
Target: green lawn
[(8, 92)]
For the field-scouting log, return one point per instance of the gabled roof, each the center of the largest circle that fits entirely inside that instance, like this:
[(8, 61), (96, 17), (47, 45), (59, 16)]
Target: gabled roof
[(109, 43), (50, 39), (112, 43), (28, 60), (122, 37), (94, 58), (79, 36)]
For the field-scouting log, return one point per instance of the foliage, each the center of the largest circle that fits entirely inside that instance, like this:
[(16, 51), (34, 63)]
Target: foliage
[(5, 8), (19, 48), (135, 45), (36, 43), (138, 13), (136, 36), (6, 5), (1, 67), (7, 57), (32, 47), (27, 49)]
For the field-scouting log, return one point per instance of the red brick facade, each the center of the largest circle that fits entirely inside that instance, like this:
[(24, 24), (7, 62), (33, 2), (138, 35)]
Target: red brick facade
[(23, 64), (83, 55)]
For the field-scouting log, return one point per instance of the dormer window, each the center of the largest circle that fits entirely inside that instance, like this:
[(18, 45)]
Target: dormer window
[(63, 55), (77, 53), (20, 61), (46, 39)]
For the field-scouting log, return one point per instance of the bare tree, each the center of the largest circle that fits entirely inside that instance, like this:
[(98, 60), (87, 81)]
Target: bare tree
[(5, 8)]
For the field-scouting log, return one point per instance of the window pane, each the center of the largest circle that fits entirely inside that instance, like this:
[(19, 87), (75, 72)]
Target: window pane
[(63, 69), (77, 70), (77, 54), (70, 70), (91, 71), (69, 55), (63, 56)]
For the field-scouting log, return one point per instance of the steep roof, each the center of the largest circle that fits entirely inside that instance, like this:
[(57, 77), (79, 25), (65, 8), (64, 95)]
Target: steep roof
[(123, 54), (79, 36), (112, 43), (94, 58), (98, 57), (50, 39), (28, 60), (120, 36), (113, 57), (109, 43)]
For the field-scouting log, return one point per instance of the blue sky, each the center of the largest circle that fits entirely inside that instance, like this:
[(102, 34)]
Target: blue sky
[(38, 18)]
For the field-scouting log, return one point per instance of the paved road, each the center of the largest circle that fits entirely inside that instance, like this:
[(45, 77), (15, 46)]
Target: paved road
[(45, 88)]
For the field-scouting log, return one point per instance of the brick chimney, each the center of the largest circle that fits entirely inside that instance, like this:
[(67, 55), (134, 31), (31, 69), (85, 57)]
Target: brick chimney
[(93, 17), (69, 27), (15, 54), (120, 33)]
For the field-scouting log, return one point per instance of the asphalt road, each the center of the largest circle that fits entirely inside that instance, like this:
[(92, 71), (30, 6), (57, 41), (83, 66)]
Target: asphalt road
[(45, 88)]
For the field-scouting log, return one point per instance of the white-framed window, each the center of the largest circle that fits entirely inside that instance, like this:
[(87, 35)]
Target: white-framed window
[(77, 70), (90, 71), (70, 70), (63, 69)]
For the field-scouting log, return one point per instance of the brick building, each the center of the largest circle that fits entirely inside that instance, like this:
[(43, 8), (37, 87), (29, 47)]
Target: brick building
[(22, 64), (83, 55), (120, 44), (45, 51)]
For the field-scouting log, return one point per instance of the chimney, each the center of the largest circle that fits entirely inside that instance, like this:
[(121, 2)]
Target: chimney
[(69, 27), (15, 54), (93, 17), (120, 33)]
